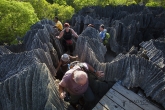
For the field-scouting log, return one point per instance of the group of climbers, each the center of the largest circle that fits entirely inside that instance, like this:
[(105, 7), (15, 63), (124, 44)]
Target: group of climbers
[(74, 84), (74, 75), (66, 34)]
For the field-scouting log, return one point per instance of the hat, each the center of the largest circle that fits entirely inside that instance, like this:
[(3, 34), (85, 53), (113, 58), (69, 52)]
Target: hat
[(65, 57), (90, 25), (66, 25)]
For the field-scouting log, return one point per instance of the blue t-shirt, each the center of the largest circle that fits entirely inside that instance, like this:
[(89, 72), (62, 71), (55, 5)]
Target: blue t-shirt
[(103, 33)]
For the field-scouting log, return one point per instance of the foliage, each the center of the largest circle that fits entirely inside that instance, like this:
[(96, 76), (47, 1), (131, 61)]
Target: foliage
[(137, 1), (153, 4), (131, 3), (43, 9), (118, 2), (63, 12), (78, 4), (17, 15), (50, 1), (15, 19), (60, 2)]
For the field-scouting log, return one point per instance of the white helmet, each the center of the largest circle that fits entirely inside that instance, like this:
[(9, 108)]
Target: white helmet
[(65, 57)]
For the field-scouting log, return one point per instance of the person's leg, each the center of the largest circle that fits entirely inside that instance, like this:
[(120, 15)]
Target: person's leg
[(74, 99), (64, 45), (88, 95), (59, 74), (71, 49)]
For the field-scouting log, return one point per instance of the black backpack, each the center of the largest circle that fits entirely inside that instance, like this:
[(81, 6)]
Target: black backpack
[(80, 64)]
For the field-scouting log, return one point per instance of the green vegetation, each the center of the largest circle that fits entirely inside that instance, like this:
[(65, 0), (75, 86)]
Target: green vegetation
[(15, 19), (16, 16)]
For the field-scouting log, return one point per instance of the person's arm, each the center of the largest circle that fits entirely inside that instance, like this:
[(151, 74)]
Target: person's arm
[(62, 86), (61, 34), (59, 65), (74, 33), (98, 73), (61, 92), (73, 57)]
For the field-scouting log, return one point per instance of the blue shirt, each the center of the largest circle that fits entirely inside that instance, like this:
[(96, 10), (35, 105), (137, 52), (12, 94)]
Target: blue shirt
[(102, 34)]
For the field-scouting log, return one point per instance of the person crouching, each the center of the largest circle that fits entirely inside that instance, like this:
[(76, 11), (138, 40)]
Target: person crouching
[(75, 81)]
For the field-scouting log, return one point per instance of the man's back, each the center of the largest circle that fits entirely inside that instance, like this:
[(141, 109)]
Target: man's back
[(59, 25), (72, 87)]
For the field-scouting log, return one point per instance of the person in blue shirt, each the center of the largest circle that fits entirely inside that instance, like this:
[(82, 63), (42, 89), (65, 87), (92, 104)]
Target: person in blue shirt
[(102, 31)]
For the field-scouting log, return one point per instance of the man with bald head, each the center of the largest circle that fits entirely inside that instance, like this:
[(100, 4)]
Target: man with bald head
[(75, 81)]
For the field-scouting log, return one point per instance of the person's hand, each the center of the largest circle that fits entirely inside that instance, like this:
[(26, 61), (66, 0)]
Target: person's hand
[(100, 74), (76, 56), (63, 95), (57, 37), (56, 70), (54, 77)]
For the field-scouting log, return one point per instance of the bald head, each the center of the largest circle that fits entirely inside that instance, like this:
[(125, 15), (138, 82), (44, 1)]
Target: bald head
[(80, 77)]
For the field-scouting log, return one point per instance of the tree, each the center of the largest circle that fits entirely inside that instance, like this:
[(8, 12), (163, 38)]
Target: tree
[(60, 2), (42, 8), (50, 1), (63, 12), (15, 19)]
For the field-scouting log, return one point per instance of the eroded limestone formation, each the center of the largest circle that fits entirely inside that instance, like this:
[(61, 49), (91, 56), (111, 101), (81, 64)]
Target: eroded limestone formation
[(128, 26), (26, 71), (133, 70)]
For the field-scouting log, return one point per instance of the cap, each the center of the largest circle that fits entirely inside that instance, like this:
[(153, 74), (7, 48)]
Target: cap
[(90, 25), (65, 57), (66, 25)]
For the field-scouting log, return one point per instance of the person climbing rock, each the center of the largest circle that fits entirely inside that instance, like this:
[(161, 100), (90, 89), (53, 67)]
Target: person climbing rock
[(104, 35), (64, 64), (67, 41), (102, 31), (58, 24), (90, 25), (75, 81)]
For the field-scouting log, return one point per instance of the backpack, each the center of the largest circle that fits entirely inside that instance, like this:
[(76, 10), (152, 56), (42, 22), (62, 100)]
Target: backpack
[(106, 39), (80, 64)]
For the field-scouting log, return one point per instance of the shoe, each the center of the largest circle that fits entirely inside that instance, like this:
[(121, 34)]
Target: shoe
[(79, 107), (81, 101)]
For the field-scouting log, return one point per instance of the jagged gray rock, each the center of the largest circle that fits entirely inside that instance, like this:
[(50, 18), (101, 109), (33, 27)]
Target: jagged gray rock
[(132, 70), (26, 71), (121, 35), (13, 62), (25, 76), (42, 35), (31, 88), (91, 40), (127, 25), (91, 33), (15, 48), (155, 50), (4, 50), (44, 38)]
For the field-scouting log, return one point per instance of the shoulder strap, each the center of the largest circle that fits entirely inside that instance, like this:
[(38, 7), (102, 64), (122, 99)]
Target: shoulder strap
[(64, 31), (70, 31), (78, 63), (82, 67)]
